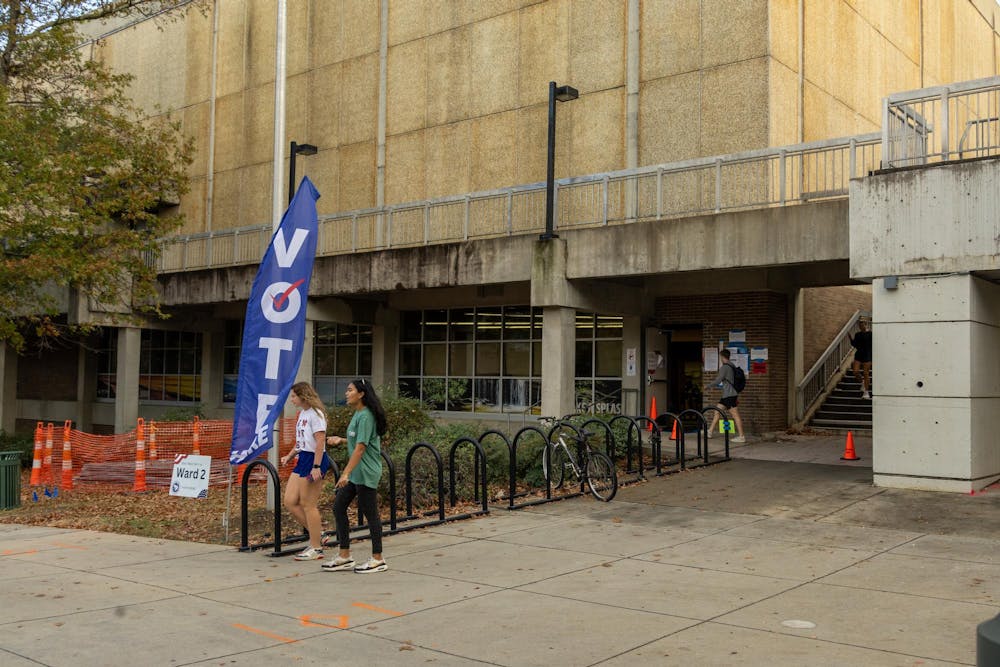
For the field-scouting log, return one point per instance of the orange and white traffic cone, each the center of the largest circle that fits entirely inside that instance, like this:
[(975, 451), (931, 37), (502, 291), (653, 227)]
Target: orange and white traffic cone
[(140, 456), (196, 437), (36, 459), (652, 413), (67, 460), (47, 477), (152, 441), (849, 453), (673, 431)]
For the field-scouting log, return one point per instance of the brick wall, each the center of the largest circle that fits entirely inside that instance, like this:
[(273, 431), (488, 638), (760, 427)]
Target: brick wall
[(826, 311), (764, 316)]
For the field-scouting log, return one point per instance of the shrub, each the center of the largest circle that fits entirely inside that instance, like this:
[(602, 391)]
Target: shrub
[(24, 444), (183, 414)]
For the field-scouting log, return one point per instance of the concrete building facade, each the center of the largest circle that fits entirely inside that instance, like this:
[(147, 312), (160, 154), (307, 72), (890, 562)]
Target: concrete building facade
[(412, 100)]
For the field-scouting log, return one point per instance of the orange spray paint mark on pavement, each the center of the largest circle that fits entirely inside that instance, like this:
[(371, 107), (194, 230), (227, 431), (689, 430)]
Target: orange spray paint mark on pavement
[(388, 612), (307, 621), (264, 633)]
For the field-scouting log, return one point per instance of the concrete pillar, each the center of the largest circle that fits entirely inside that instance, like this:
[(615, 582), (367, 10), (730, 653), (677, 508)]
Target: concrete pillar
[(632, 384), (936, 387), (8, 388), (305, 372), (127, 391), (86, 389), (385, 343), (796, 334), (558, 361)]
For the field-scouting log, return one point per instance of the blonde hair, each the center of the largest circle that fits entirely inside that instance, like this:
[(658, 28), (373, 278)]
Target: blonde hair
[(308, 395)]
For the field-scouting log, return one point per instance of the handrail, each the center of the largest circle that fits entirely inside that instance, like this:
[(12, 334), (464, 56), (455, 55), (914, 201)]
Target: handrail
[(816, 381), (749, 179)]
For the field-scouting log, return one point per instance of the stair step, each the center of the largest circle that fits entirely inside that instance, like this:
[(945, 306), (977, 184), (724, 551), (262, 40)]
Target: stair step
[(835, 423)]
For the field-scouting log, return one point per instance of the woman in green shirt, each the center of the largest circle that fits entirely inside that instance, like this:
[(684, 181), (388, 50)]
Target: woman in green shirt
[(360, 477)]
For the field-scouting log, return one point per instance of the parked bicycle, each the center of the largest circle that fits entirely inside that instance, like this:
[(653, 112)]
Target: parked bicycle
[(587, 465)]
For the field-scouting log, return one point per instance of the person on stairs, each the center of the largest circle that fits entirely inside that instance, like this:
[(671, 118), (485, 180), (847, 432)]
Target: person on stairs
[(862, 342)]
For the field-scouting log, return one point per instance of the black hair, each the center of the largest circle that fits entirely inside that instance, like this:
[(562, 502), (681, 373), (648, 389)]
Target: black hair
[(725, 353), (370, 400)]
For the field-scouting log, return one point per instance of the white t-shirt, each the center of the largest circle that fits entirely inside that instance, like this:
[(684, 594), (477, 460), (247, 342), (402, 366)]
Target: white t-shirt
[(309, 423)]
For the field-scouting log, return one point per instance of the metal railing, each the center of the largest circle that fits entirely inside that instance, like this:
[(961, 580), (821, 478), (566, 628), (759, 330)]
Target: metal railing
[(826, 369), (748, 180), (954, 122)]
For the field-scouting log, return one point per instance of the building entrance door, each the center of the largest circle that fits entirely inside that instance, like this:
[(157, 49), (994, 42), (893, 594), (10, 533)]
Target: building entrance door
[(684, 375)]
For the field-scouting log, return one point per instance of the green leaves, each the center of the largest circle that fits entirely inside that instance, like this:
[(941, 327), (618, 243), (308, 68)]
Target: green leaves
[(83, 174)]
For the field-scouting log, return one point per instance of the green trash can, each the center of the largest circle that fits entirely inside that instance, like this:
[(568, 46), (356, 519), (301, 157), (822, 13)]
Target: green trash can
[(10, 480)]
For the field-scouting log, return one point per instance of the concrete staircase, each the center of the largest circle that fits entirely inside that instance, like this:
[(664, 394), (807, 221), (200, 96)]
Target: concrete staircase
[(844, 408)]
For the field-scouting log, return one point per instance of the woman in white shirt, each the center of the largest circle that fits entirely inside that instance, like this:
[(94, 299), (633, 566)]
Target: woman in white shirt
[(306, 481)]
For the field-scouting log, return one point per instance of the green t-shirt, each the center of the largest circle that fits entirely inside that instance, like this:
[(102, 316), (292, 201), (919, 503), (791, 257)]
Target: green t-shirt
[(362, 429)]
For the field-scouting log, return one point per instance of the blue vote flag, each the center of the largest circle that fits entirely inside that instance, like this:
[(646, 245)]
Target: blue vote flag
[(275, 327)]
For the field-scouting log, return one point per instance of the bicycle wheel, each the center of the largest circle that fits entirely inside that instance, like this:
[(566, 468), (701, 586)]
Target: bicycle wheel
[(602, 478), (558, 461)]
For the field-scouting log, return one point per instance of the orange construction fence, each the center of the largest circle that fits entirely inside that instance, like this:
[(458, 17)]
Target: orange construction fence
[(144, 457)]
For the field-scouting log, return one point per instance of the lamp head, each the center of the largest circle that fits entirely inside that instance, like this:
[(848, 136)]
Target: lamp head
[(567, 93)]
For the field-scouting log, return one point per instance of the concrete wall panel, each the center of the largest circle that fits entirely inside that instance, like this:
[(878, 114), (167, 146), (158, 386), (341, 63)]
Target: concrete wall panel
[(985, 427), (493, 64), (669, 115), (357, 176), (324, 106), (597, 44), (359, 100), (922, 300), (936, 220), (448, 84), (447, 159), (670, 38), (542, 40), (915, 436), (734, 107), (492, 155), (406, 106), (924, 359), (733, 31), (596, 135)]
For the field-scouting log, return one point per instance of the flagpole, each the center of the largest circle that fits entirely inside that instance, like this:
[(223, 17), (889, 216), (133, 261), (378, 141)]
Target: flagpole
[(277, 201)]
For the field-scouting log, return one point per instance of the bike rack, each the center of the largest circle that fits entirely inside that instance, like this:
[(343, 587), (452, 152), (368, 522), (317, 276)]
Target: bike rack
[(511, 461), (702, 430), (633, 426), (409, 482), (244, 502), (545, 452), (480, 456), (722, 415), (655, 440)]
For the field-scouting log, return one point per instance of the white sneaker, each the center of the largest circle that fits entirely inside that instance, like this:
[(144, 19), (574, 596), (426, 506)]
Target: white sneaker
[(739, 438), (310, 554), (711, 433), (336, 564), (865, 395), (371, 565)]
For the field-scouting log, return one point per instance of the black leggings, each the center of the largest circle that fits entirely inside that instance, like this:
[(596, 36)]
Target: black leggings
[(367, 503)]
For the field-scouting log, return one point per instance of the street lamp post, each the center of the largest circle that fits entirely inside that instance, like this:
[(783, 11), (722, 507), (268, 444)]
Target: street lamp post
[(561, 94), (297, 149)]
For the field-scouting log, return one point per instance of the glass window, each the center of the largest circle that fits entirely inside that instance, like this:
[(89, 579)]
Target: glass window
[(493, 358), (107, 363), (599, 363), (342, 353), (435, 359), (487, 358), (173, 370)]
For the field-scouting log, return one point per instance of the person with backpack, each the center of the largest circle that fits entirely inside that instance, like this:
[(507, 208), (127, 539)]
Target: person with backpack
[(733, 380)]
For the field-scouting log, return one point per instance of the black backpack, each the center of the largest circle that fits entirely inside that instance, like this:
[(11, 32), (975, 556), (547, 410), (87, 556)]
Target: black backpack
[(739, 378)]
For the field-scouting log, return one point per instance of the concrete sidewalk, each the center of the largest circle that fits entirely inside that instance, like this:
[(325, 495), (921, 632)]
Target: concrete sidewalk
[(749, 562)]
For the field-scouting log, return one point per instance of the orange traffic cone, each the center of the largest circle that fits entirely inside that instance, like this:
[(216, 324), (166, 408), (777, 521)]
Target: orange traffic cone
[(47, 477), (140, 456), (673, 431), (67, 459), (36, 461), (849, 453), (152, 441), (652, 413)]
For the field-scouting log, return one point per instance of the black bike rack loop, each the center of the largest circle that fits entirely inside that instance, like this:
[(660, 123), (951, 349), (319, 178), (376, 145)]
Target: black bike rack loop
[(511, 462), (244, 501), (703, 429), (656, 440), (722, 415), (515, 442), (633, 426), (480, 455), (391, 467), (409, 479)]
